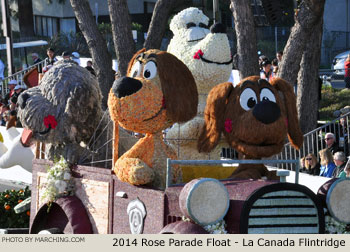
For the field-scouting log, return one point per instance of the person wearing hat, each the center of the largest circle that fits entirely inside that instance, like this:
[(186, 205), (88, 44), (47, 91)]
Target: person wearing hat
[(66, 55), (11, 85), (19, 89), (266, 72), (76, 57), (36, 60)]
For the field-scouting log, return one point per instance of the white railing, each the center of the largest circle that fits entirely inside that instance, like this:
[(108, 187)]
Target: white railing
[(19, 76)]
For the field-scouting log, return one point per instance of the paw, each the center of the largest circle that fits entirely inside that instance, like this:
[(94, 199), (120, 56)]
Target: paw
[(133, 171)]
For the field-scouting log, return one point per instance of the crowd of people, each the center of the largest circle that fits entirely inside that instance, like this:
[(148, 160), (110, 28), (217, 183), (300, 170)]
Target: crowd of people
[(332, 161), (268, 69), (8, 103)]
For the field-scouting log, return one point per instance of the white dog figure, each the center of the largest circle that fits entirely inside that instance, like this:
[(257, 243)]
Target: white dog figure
[(208, 56)]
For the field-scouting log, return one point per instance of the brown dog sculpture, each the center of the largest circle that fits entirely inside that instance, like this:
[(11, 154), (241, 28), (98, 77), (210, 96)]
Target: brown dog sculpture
[(255, 118), (158, 91)]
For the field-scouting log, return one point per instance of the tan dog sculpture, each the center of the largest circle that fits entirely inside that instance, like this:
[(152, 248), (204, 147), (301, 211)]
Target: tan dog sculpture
[(158, 91), (255, 117)]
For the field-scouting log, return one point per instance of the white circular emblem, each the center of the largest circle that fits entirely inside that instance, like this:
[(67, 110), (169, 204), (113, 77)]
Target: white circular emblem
[(136, 212)]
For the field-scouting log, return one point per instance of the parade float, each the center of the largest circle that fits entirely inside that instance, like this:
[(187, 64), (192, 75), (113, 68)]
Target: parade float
[(85, 180), (81, 199)]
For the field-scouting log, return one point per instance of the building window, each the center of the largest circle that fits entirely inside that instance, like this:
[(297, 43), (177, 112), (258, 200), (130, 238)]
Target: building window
[(46, 26), (259, 13)]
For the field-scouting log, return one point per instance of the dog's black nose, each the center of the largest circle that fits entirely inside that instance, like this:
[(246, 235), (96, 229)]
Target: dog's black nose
[(266, 112), (126, 86), (22, 100), (218, 28)]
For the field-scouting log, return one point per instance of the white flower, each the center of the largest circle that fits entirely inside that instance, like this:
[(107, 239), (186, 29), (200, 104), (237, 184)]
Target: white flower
[(61, 186), (66, 176), (218, 228)]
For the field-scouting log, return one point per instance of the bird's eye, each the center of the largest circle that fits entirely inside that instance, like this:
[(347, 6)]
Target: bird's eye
[(189, 25), (248, 99), (136, 69), (150, 70), (267, 95)]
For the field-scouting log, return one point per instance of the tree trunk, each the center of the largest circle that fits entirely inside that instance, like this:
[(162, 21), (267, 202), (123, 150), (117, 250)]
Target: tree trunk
[(102, 60), (25, 19), (308, 80), (247, 57), (159, 22), (122, 36), (308, 15)]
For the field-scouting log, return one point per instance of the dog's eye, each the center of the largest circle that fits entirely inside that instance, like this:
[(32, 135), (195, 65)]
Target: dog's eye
[(202, 25), (267, 95), (189, 25), (248, 99), (150, 70), (136, 69)]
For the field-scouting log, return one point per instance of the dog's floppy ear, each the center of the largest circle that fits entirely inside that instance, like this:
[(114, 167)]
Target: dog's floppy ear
[(214, 117), (133, 58), (178, 87), (295, 135)]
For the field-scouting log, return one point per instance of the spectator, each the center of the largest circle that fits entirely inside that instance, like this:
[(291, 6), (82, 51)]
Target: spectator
[(279, 55), (261, 59), (76, 57), (50, 59), (339, 161), (90, 68), (13, 102), (346, 172), (266, 72), (311, 165), (11, 85), (342, 134), (274, 68), (302, 165), (19, 89), (5, 109), (66, 55), (332, 145), (2, 69), (36, 60), (347, 72), (327, 164)]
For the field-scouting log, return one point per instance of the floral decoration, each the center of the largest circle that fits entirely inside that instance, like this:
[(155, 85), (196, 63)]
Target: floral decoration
[(228, 125), (59, 182), (217, 228), (198, 54), (50, 120), (336, 227)]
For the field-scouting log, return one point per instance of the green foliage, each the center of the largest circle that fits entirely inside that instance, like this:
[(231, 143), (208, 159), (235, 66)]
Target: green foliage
[(73, 42), (136, 26), (8, 200), (332, 100)]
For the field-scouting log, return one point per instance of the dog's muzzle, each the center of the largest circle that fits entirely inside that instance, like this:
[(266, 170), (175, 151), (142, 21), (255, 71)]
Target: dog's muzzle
[(266, 112), (126, 86)]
